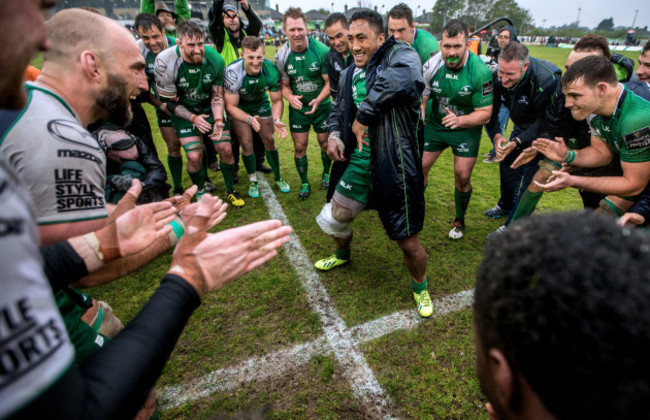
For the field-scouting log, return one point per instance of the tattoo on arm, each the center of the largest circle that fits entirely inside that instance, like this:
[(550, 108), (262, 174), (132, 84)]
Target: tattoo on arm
[(182, 112), (216, 102)]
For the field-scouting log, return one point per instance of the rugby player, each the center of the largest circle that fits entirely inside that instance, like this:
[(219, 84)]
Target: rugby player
[(246, 84), (620, 125), (190, 78), (339, 57), (305, 85), (402, 27), (379, 101), (641, 79), (152, 42), (460, 85)]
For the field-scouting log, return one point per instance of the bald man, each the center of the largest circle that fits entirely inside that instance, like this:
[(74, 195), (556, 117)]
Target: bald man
[(88, 74)]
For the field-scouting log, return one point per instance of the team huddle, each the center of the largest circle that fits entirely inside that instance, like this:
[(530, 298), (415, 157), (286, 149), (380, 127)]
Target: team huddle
[(384, 100)]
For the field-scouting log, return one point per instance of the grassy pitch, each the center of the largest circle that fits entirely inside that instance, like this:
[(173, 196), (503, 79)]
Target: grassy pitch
[(239, 351)]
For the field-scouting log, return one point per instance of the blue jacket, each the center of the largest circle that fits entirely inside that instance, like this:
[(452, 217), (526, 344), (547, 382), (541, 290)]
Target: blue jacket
[(391, 110)]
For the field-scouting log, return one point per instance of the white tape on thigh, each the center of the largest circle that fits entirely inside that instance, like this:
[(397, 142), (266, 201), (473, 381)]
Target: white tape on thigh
[(330, 225)]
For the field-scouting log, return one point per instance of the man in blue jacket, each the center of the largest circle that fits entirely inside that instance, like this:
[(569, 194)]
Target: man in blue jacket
[(375, 142)]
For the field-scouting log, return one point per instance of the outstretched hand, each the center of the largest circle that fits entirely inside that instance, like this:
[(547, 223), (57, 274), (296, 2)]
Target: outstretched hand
[(210, 261)]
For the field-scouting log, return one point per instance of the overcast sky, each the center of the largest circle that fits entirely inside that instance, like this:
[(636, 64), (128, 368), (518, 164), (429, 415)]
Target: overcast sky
[(556, 12)]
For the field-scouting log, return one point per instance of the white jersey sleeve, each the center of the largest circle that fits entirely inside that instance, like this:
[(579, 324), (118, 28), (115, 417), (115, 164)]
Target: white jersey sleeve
[(166, 70), (234, 77), (58, 160), (34, 344), (281, 60), (430, 68)]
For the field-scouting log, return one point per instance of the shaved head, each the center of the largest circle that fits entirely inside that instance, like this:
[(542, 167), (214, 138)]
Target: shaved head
[(72, 31)]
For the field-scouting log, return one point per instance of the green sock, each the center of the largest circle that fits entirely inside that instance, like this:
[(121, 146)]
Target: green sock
[(418, 287), (204, 164), (425, 187), (273, 156), (228, 171), (343, 254), (249, 162), (198, 179), (527, 204), (301, 166), (175, 164), (462, 201), (327, 162)]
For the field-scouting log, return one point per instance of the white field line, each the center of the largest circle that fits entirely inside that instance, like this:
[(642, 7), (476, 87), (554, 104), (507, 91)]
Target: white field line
[(286, 360), (346, 351)]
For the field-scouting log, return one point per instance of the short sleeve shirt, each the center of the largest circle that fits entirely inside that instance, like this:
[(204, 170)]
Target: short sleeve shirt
[(462, 91), (191, 83), (425, 44), (627, 132), (304, 70), (252, 90), (59, 161)]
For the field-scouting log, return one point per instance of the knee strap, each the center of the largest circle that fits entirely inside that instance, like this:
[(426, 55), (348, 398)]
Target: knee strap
[(190, 147), (330, 225)]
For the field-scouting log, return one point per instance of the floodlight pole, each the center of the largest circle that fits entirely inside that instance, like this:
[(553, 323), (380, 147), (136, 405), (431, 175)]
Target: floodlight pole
[(636, 12)]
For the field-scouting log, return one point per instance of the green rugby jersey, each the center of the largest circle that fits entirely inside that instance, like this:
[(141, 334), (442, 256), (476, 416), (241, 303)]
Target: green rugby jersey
[(627, 132), (304, 70), (191, 83), (359, 86), (150, 59), (251, 89), (462, 90), (425, 44)]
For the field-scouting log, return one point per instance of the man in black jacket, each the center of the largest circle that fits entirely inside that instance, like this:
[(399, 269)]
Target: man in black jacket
[(339, 57), (375, 143), (524, 86)]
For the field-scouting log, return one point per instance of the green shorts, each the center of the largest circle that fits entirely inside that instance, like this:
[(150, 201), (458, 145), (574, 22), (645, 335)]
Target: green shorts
[(263, 109), (463, 143), (185, 128), (300, 123), (355, 182), (164, 120), (85, 339)]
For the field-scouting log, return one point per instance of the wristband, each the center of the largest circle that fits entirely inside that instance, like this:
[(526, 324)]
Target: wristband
[(193, 118), (93, 243), (250, 118), (517, 142), (277, 120), (178, 230), (570, 156)]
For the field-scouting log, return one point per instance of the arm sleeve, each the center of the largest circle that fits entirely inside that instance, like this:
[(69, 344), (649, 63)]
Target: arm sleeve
[(542, 99), (182, 10), (215, 24), (492, 127), (62, 265), (400, 83), (642, 205), (254, 23), (115, 381)]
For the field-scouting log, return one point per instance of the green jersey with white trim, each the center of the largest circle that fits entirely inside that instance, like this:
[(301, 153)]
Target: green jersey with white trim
[(150, 58), (359, 86), (462, 90), (425, 44), (627, 132), (191, 83), (251, 89), (304, 70)]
